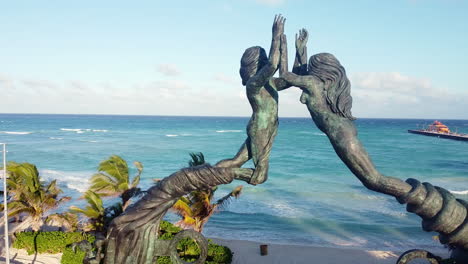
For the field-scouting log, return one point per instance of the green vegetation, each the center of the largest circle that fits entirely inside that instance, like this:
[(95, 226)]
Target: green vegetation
[(48, 242), (29, 196), (72, 257), (196, 208), (94, 211), (113, 179), (188, 249), (33, 198)]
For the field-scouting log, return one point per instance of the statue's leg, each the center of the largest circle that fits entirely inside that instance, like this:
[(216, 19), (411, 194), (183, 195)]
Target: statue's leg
[(243, 155), (243, 174), (262, 160)]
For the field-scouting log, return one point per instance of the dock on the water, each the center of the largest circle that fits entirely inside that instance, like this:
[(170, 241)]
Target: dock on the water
[(463, 137)]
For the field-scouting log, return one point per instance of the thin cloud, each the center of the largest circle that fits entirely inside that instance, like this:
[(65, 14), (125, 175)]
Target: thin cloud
[(393, 94), (39, 83), (168, 69), (221, 77), (271, 2)]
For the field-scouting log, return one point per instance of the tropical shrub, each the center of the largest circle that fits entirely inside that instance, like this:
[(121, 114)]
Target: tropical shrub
[(71, 256), (48, 242), (189, 250)]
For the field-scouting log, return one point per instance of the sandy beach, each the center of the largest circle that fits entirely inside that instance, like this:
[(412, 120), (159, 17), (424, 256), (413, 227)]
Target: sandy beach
[(248, 252)]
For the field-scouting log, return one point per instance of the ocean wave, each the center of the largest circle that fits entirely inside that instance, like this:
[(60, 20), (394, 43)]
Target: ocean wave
[(73, 180), (82, 130), (228, 131), (71, 129), (15, 132), (56, 138), (171, 135), (465, 192)]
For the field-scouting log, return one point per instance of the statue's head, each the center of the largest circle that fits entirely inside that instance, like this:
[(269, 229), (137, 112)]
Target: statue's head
[(326, 68), (252, 60)]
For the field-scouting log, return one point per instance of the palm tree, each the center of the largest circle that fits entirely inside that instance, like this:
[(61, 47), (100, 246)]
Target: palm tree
[(196, 208), (94, 211), (29, 196), (68, 220), (112, 179)]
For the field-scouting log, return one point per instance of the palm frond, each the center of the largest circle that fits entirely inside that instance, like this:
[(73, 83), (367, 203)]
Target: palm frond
[(197, 159), (136, 179), (182, 208), (116, 167), (224, 201)]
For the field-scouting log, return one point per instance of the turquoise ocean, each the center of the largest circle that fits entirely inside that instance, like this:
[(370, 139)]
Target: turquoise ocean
[(310, 197)]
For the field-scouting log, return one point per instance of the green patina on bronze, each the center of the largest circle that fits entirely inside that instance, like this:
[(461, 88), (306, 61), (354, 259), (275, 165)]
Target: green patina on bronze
[(132, 237), (326, 93), (262, 88)]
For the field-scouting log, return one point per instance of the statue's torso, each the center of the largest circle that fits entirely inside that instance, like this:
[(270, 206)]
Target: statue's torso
[(264, 103)]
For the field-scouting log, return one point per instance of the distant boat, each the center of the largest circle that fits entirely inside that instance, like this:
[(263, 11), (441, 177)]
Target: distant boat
[(437, 129)]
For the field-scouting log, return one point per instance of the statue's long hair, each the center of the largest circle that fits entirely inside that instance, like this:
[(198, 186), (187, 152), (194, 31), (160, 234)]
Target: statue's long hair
[(328, 69), (253, 59)]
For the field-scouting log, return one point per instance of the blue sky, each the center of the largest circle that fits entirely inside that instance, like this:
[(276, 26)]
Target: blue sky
[(405, 58)]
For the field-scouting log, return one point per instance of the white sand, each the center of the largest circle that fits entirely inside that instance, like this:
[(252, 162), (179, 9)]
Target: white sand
[(247, 252), (21, 256)]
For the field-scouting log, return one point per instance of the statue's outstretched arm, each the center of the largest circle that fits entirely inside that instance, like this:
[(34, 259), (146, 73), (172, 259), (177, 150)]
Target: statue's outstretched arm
[(268, 70), (291, 78), (280, 83), (300, 62)]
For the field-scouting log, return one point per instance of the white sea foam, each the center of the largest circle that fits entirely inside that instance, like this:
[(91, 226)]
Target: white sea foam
[(90, 141), (56, 138), (228, 131), (73, 180), (15, 132), (465, 192), (83, 130), (71, 129), (171, 135)]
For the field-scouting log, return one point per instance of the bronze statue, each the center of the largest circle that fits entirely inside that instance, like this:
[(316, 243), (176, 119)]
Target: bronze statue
[(326, 93), (262, 91), (132, 237)]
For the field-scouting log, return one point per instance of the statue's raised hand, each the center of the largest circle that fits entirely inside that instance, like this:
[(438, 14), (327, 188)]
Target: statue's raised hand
[(301, 39), (278, 26)]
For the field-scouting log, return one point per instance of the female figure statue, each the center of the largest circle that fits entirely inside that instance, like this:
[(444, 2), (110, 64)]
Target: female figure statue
[(326, 93)]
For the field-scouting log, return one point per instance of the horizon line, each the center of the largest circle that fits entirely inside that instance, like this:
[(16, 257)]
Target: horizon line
[(150, 115)]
